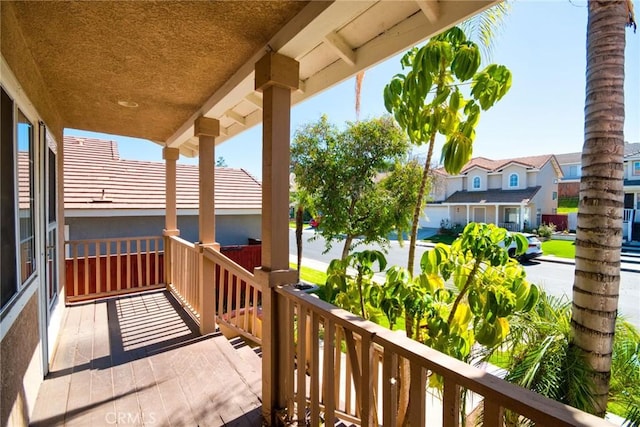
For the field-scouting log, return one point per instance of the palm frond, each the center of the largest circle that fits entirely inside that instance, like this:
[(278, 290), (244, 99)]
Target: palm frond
[(486, 26)]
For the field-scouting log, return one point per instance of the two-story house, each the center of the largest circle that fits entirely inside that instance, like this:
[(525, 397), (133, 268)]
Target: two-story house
[(513, 193), (569, 185)]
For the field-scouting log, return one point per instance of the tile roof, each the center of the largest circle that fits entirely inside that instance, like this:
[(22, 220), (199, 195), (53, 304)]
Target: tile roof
[(496, 165), (493, 196), (630, 149), (95, 177)]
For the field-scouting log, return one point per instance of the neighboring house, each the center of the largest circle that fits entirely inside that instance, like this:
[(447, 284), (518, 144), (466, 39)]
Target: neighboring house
[(106, 196), (512, 193), (569, 186)]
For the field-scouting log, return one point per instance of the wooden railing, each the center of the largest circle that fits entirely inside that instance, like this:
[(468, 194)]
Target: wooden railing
[(335, 365), (237, 297), (105, 267), (183, 283), (214, 288)]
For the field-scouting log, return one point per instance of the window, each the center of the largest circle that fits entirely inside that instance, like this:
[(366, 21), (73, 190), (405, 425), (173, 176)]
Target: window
[(8, 263), (513, 180), (476, 182), (26, 208), (636, 168), (574, 171), (554, 196)]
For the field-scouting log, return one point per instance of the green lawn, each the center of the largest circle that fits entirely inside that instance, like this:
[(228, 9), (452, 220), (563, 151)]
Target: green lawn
[(559, 248), (567, 210)]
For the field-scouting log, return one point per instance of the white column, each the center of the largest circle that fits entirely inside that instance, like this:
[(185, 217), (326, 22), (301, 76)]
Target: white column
[(467, 206)]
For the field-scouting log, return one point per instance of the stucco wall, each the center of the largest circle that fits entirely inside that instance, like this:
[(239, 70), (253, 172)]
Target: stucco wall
[(230, 229), (480, 173), (544, 200), (522, 177), (495, 181), (453, 185), (17, 351)]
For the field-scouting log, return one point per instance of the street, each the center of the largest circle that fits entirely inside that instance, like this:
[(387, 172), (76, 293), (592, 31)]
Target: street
[(555, 278)]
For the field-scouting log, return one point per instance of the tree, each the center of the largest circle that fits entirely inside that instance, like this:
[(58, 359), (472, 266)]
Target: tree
[(599, 230), (428, 100), (302, 201), (340, 170), (221, 162)]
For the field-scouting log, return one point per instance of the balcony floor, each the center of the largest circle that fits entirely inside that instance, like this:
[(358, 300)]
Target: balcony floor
[(139, 360)]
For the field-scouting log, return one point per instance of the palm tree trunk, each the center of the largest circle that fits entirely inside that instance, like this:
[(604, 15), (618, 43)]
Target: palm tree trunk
[(299, 223), (599, 230)]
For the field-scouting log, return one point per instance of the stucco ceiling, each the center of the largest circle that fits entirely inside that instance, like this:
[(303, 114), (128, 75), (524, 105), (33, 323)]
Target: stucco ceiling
[(179, 60)]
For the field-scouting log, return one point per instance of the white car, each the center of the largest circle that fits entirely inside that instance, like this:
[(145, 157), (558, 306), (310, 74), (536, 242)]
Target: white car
[(534, 250)]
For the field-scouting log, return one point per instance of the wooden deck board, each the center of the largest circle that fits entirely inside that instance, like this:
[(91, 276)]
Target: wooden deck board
[(138, 360)]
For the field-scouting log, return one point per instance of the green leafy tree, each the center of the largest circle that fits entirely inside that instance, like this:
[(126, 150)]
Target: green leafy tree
[(428, 100), (221, 162), (340, 171)]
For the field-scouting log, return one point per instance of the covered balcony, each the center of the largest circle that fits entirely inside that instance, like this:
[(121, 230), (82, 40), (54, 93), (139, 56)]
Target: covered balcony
[(189, 76)]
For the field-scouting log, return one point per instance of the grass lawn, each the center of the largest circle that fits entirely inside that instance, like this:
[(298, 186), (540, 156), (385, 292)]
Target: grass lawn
[(567, 210), (441, 238), (559, 248)]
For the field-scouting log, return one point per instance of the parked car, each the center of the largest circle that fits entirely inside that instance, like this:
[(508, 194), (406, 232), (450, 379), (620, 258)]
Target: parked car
[(534, 250)]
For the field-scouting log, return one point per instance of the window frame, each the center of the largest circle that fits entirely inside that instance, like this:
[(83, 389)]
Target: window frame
[(517, 176), (635, 168), (473, 183)]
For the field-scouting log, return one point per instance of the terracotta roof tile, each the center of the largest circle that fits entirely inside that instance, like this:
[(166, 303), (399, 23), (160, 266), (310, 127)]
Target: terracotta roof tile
[(493, 196), (97, 178), (496, 165)]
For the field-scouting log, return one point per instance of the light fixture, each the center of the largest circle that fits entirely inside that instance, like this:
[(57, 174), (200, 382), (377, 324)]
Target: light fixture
[(128, 104)]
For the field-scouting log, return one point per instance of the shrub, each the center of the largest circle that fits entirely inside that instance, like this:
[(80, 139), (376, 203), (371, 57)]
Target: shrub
[(546, 230)]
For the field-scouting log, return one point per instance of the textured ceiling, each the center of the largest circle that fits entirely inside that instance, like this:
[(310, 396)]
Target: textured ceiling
[(168, 57)]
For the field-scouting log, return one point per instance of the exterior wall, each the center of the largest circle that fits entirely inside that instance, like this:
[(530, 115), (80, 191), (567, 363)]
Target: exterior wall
[(522, 177), (532, 178), (454, 184), (571, 170), (495, 181), (544, 200), (21, 372), (230, 229), (476, 172), (459, 215)]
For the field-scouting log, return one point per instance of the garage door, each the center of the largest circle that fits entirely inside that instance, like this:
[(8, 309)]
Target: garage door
[(433, 215)]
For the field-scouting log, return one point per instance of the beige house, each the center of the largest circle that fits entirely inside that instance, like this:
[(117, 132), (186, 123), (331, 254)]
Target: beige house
[(144, 347), (512, 193)]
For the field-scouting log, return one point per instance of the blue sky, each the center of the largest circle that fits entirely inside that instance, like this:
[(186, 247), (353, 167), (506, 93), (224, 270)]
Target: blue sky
[(542, 43)]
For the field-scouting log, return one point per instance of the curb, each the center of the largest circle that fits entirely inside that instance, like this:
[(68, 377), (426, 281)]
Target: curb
[(567, 261)]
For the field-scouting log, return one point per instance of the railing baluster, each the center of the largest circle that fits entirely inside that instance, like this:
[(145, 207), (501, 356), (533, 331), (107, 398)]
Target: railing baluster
[(118, 265), (139, 260), (74, 247), (128, 283), (247, 308), (492, 415), (451, 404), (237, 285), (108, 266), (315, 369), (301, 364), (328, 384), (366, 381), (389, 388), (148, 269), (98, 269), (290, 355), (417, 394), (86, 269)]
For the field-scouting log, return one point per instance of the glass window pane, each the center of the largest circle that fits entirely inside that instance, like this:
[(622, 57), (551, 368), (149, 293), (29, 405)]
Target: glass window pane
[(26, 181), (9, 276)]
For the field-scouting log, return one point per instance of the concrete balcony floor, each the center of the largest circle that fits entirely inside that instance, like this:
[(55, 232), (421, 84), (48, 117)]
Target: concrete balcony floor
[(139, 360)]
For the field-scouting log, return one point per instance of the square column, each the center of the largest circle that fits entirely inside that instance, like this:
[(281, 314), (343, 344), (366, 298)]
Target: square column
[(206, 129), (276, 77), (170, 156)]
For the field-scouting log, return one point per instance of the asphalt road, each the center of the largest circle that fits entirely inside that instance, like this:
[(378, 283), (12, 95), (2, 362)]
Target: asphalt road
[(554, 278)]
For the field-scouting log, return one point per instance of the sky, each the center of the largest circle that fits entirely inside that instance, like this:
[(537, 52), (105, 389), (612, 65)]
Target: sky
[(543, 43)]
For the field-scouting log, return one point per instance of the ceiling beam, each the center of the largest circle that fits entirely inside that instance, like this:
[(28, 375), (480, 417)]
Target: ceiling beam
[(430, 8), (235, 117), (254, 99), (341, 47)]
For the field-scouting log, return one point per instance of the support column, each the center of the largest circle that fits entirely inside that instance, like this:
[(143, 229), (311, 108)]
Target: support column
[(521, 218), (170, 156), (467, 206), (206, 130), (497, 220), (276, 76)]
